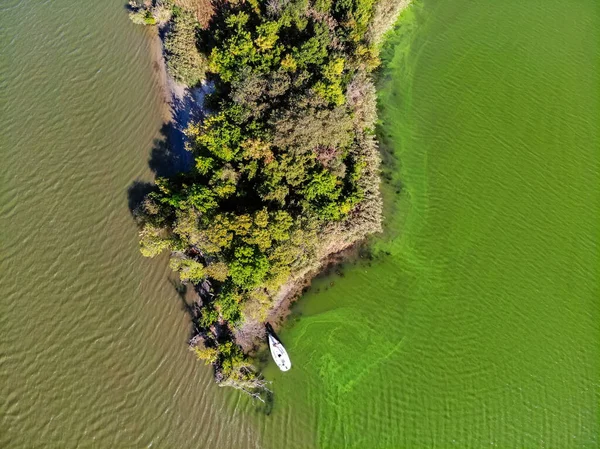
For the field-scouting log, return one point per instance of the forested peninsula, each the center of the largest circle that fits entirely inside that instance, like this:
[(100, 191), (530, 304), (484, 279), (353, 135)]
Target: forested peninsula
[(286, 165)]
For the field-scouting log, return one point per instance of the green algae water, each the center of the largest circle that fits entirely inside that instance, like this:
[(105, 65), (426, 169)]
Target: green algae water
[(476, 323)]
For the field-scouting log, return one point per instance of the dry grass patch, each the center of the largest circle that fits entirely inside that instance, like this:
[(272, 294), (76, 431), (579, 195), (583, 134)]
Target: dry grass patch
[(203, 10)]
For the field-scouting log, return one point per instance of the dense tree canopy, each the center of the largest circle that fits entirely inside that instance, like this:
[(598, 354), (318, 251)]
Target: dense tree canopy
[(286, 166)]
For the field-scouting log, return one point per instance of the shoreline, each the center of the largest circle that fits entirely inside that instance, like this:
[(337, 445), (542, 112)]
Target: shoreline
[(252, 335), (183, 104)]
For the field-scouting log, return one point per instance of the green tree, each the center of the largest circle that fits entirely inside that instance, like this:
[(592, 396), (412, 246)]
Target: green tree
[(286, 164), (249, 267), (153, 240), (188, 269), (184, 62), (207, 355)]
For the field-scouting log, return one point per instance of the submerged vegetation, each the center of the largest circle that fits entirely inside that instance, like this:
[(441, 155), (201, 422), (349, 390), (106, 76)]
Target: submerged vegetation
[(286, 166)]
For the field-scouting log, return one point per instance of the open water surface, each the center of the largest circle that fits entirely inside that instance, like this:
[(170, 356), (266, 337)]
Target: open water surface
[(93, 336), (476, 324)]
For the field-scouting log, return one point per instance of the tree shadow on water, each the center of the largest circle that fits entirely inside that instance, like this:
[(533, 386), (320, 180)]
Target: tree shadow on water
[(166, 158), (136, 193), (168, 155)]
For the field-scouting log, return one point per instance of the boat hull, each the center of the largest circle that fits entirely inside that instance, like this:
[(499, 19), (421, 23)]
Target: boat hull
[(279, 354)]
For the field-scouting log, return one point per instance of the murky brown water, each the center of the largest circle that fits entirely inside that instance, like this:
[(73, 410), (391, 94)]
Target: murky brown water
[(93, 349)]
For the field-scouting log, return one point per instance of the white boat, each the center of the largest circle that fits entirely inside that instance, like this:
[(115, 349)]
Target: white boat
[(279, 353)]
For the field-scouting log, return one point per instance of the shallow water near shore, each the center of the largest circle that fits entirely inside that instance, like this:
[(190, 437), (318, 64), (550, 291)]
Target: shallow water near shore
[(476, 323)]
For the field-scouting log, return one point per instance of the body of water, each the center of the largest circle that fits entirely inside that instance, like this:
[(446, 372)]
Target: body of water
[(93, 351), (476, 323)]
